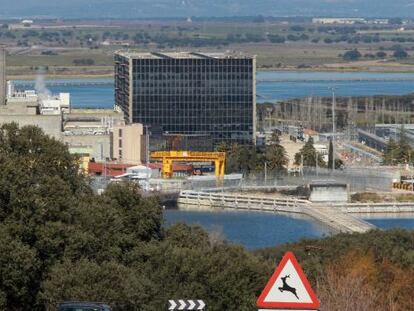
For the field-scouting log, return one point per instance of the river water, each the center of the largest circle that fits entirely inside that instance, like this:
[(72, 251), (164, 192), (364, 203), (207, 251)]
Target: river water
[(251, 229), (259, 229), (271, 86), (255, 229)]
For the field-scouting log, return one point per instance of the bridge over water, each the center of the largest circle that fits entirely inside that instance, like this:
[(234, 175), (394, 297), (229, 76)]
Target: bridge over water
[(337, 217)]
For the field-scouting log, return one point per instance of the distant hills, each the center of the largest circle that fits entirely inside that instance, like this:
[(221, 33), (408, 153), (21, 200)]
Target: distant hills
[(219, 8)]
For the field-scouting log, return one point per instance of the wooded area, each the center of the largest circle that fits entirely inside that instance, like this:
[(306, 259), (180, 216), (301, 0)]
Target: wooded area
[(60, 241)]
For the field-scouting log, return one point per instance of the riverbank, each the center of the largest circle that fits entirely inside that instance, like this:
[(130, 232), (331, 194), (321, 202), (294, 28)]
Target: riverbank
[(272, 86), (71, 72)]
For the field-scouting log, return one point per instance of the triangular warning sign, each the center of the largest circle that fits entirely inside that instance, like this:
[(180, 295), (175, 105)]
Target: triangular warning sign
[(288, 288)]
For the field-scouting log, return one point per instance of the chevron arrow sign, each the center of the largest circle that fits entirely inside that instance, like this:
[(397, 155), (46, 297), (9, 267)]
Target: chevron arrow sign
[(186, 304)]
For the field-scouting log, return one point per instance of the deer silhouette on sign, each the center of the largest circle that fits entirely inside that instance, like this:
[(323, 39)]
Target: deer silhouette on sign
[(286, 287)]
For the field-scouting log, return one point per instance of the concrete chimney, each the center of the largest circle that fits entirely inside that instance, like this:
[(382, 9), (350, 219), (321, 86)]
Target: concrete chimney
[(2, 76)]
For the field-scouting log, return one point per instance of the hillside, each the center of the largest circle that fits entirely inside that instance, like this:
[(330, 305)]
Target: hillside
[(359, 272)]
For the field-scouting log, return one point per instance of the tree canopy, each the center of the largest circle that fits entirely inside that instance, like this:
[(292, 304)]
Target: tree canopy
[(398, 152), (251, 159), (308, 156), (60, 241)]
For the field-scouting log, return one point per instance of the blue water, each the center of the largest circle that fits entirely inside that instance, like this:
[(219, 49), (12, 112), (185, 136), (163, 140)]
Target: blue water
[(257, 230), (271, 86), (279, 85), (392, 223), (250, 229)]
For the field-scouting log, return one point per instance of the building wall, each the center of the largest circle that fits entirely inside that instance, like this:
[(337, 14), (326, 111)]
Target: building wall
[(329, 193), (205, 95), (126, 143), (98, 146), (122, 83), (51, 125)]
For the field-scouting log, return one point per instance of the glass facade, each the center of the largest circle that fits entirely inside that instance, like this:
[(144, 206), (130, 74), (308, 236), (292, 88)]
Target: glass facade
[(198, 95)]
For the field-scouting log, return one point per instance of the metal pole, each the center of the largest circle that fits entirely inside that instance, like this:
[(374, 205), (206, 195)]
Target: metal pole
[(147, 153), (265, 171), (146, 145), (333, 127), (3, 91)]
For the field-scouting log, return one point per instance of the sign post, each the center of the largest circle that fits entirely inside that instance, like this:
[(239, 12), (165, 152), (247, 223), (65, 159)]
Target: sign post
[(288, 289)]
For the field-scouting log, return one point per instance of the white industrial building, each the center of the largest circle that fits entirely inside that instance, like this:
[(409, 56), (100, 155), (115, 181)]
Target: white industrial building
[(343, 21)]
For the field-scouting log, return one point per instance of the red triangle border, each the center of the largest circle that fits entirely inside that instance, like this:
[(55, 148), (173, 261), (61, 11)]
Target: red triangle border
[(315, 304)]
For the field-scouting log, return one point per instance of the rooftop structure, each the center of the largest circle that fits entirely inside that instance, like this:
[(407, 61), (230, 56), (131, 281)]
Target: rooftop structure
[(208, 95), (182, 55), (54, 104)]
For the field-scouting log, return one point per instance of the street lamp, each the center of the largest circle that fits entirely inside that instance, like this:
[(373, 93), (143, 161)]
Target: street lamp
[(333, 126)]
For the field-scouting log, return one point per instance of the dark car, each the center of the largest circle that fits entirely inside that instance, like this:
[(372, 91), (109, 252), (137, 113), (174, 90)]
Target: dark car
[(83, 306)]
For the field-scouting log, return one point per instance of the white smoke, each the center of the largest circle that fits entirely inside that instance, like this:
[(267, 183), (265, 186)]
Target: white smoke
[(40, 84)]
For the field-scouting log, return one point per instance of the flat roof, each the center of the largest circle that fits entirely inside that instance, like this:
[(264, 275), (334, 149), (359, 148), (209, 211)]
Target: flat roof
[(183, 55)]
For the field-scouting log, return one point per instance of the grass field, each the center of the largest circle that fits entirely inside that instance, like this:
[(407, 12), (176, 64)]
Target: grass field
[(74, 52)]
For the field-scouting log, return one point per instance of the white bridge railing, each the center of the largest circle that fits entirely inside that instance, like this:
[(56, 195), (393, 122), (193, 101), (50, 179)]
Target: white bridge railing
[(336, 216), (245, 202)]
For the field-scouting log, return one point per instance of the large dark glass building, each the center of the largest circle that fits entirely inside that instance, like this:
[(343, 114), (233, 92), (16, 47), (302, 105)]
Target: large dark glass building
[(196, 94)]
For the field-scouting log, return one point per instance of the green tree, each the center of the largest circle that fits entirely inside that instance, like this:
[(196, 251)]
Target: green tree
[(308, 155), (381, 54), (60, 241), (330, 154), (404, 148), (243, 159), (223, 147), (391, 152), (352, 55), (400, 53), (85, 280), (19, 268), (398, 152), (276, 158), (275, 137)]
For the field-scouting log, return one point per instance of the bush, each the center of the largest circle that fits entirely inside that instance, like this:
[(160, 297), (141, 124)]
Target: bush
[(352, 55), (400, 53), (276, 38), (381, 54), (84, 62)]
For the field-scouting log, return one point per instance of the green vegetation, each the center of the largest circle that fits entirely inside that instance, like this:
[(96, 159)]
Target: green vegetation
[(400, 53), (371, 272), (372, 197), (84, 62), (250, 159), (60, 241), (307, 156), (338, 162), (398, 152), (277, 45), (352, 55)]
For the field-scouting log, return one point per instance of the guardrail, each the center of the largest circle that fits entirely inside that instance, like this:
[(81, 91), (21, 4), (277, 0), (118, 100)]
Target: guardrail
[(235, 201), (391, 207), (336, 218)]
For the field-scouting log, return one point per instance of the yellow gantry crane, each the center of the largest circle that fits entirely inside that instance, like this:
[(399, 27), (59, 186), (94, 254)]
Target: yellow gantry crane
[(168, 157)]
